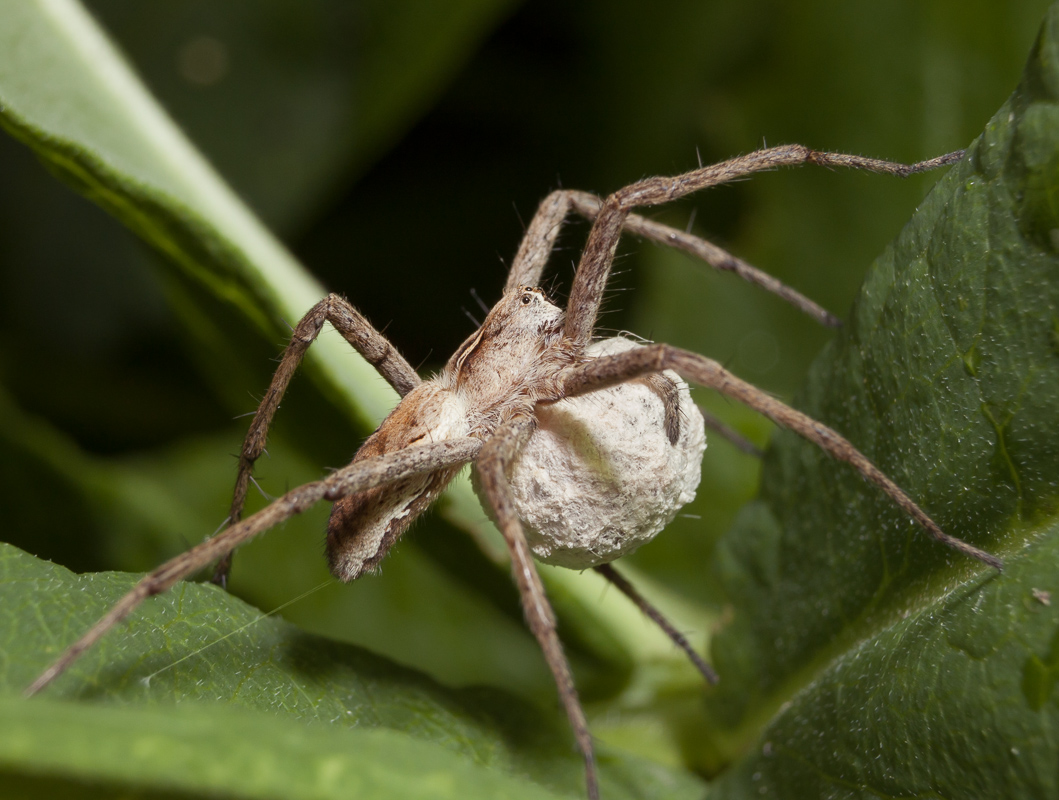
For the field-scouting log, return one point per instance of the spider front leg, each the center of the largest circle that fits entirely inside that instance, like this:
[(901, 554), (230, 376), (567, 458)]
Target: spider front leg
[(539, 241), (367, 341), (357, 477), (497, 455), (588, 206), (613, 215), (611, 370)]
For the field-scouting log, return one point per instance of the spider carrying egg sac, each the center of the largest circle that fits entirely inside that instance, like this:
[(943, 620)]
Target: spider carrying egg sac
[(599, 477)]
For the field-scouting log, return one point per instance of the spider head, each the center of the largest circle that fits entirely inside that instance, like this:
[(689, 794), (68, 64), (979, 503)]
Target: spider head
[(528, 310), (522, 315), (518, 329)]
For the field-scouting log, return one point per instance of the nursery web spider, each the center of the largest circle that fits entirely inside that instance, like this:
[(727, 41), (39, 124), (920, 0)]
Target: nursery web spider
[(492, 401)]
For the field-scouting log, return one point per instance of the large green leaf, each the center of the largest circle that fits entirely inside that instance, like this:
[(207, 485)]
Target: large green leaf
[(201, 693), (862, 659), (69, 96)]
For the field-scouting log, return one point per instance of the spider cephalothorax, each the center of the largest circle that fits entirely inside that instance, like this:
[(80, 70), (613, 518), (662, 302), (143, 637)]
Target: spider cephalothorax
[(595, 446), (509, 364)]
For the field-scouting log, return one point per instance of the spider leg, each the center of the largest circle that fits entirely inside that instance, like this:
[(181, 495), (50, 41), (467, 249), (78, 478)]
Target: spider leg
[(356, 477), (737, 439), (668, 392), (537, 244), (588, 206), (365, 339), (497, 454), (656, 616), (538, 241), (610, 370), (594, 269)]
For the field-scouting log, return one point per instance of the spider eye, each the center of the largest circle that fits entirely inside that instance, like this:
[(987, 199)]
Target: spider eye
[(527, 299)]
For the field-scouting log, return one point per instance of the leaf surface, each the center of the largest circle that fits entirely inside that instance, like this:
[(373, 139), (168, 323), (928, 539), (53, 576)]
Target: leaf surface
[(198, 672), (864, 659)]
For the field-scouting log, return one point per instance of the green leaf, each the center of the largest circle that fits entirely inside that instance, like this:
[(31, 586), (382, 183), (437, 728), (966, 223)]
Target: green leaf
[(199, 673), (338, 83), (68, 94), (862, 658)]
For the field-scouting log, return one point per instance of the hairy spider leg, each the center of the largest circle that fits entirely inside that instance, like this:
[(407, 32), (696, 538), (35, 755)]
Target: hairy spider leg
[(367, 341), (357, 477)]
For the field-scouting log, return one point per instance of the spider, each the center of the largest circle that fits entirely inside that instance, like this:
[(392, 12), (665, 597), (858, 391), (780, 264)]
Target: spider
[(495, 403)]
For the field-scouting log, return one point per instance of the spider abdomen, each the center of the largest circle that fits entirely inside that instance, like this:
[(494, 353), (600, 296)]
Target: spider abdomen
[(364, 526)]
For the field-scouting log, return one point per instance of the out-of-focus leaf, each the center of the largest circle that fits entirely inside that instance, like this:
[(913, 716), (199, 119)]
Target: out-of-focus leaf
[(863, 658), (200, 673), (292, 102), (66, 93)]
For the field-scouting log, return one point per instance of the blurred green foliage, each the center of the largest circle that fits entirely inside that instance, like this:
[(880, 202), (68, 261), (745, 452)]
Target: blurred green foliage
[(396, 149)]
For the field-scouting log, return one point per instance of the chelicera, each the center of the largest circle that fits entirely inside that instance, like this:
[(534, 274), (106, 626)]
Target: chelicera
[(507, 401)]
